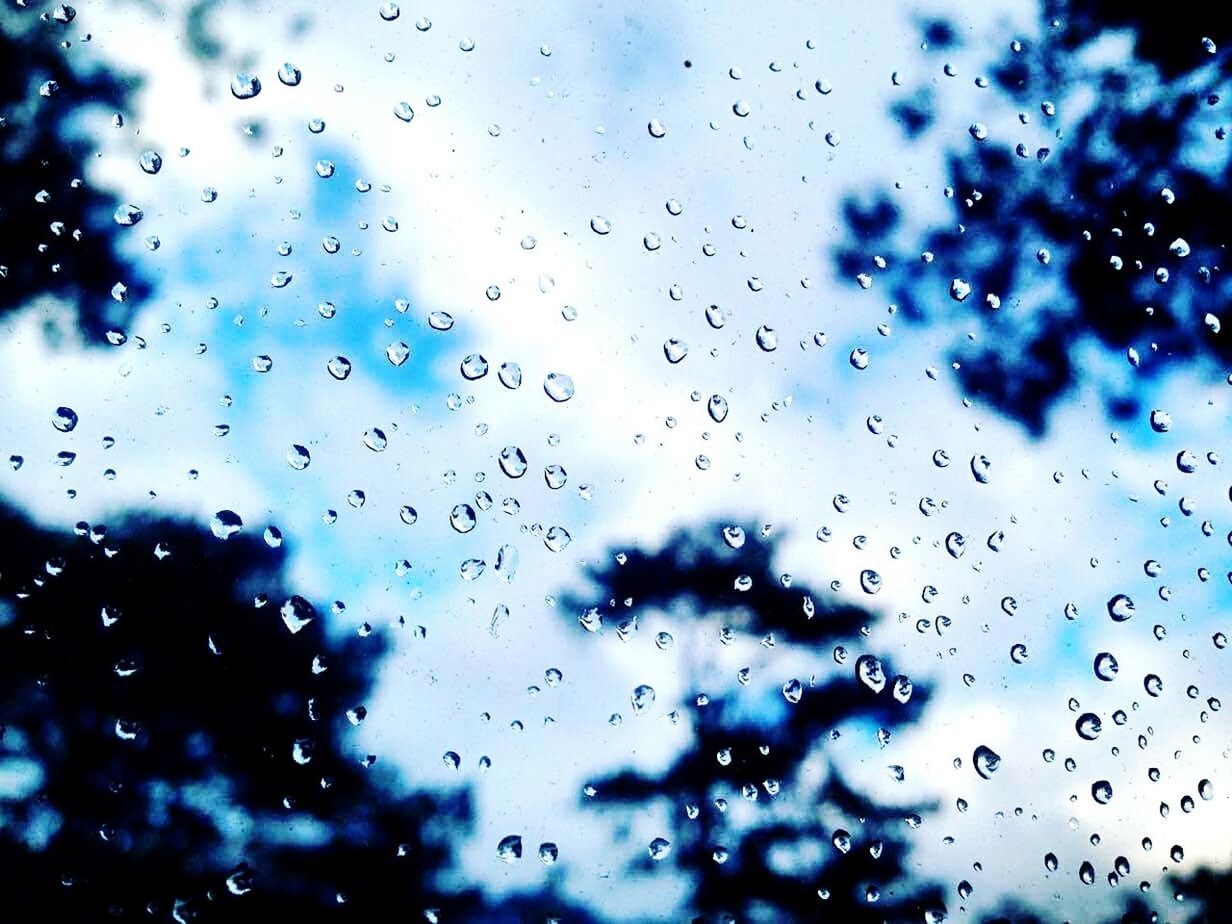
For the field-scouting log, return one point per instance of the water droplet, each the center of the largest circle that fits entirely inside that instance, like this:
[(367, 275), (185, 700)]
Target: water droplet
[(960, 289), (404, 111), (902, 689), (717, 408), (339, 367), (793, 690), (859, 358), (509, 850), (290, 75), (1120, 608), (986, 761), (558, 386), (510, 375), (375, 439), (463, 518), (225, 523), (600, 225), (474, 366), (296, 613), (659, 848), (1161, 421), (767, 339), (642, 699), (870, 581), (557, 538), (1106, 666), (675, 350), (398, 352), (1088, 726), (298, 457), (870, 673), (656, 128), (64, 419), (980, 466), (1101, 791), (151, 162), (127, 215), (956, 544), (513, 462), (245, 86)]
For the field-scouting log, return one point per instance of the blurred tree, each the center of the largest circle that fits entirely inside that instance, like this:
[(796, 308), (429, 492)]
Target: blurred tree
[(177, 738), (56, 231), (1106, 229), (764, 825)]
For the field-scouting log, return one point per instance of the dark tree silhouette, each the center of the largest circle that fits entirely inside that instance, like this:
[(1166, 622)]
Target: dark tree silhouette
[(1111, 232), (55, 229), (851, 854), (181, 748)]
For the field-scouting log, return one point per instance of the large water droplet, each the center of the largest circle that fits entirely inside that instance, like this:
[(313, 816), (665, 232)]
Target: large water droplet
[(339, 367), (296, 613), (557, 538), (1106, 666), (1120, 608), (980, 466), (474, 366), (767, 339), (675, 350), (245, 86), (986, 761), (64, 419), (510, 375), (513, 462), (398, 352), (870, 673), (225, 523), (509, 849), (558, 386), (462, 518), (793, 690), (127, 215), (1088, 726)]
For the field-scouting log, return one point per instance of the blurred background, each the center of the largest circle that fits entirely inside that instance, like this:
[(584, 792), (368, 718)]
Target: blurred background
[(631, 462)]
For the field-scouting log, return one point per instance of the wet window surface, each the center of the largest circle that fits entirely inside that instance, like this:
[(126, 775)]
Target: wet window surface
[(614, 463)]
